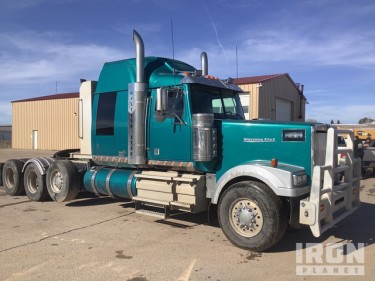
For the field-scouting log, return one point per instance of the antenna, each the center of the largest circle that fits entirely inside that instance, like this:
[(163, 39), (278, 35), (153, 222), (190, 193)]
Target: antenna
[(236, 62), (56, 87), (172, 39)]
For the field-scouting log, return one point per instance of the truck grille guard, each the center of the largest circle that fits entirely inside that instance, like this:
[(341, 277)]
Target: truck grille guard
[(330, 200)]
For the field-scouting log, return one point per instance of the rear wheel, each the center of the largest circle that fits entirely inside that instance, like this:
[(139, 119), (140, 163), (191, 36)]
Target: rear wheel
[(252, 216), (13, 177), (35, 183), (63, 181)]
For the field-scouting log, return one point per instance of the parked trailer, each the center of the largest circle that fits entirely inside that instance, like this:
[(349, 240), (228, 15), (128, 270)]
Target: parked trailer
[(171, 137)]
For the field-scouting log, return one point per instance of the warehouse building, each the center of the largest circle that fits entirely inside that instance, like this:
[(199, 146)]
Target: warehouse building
[(48, 122), (51, 122), (274, 97)]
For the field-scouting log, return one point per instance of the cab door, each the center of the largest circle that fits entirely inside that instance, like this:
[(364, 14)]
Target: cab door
[(169, 133)]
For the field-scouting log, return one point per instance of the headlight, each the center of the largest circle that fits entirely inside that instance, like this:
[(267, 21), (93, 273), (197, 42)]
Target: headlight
[(299, 180)]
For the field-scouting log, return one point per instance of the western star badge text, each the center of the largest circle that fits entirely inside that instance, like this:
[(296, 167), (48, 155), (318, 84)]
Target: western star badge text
[(259, 140)]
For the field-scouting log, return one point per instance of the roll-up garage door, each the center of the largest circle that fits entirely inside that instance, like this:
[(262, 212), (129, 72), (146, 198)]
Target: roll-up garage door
[(283, 110)]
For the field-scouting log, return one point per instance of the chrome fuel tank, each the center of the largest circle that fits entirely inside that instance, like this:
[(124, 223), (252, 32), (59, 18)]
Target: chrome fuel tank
[(111, 182)]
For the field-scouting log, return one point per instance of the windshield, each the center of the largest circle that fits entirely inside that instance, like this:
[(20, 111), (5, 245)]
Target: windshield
[(224, 104)]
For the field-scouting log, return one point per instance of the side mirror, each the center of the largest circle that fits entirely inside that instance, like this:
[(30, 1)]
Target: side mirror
[(161, 100)]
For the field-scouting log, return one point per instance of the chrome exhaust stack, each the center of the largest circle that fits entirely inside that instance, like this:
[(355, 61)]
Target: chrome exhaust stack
[(139, 57), (204, 63), (137, 100)]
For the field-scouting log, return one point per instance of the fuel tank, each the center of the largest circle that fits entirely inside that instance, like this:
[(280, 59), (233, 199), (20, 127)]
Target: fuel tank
[(111, 182)]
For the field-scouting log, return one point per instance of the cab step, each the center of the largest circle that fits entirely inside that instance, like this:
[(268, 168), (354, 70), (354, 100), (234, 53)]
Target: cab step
[(182, 205), (152, 208), (151, 201), (155, 214)]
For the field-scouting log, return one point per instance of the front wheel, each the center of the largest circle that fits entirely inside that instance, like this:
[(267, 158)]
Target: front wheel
[(252, 216)]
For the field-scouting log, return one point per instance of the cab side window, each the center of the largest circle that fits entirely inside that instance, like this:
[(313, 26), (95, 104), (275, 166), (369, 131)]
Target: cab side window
[(105, 119), (175, 103)]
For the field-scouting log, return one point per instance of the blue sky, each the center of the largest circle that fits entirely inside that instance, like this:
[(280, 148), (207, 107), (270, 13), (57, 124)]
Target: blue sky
[(329, 46)]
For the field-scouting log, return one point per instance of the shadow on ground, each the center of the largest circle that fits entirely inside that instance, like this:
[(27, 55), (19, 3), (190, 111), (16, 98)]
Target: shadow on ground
[(357, 228), (85, 199)]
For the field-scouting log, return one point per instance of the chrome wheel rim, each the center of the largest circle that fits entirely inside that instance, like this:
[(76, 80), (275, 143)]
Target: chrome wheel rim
[(10, 178), (56, 181), (246, 217), (32, 182)]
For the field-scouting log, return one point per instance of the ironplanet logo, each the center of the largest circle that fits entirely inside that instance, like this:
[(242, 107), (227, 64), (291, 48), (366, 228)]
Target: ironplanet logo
[(259, 140), (330, 259)]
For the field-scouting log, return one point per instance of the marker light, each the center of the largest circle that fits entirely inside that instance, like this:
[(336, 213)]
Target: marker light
[(211, 77)]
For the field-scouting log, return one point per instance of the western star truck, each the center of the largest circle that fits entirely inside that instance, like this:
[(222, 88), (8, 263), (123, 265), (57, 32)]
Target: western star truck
[(173, 138)]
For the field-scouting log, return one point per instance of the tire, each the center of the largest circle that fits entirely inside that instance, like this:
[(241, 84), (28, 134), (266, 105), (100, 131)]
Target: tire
[(63, 182), (35, 183), (251, 216), (13, 177)]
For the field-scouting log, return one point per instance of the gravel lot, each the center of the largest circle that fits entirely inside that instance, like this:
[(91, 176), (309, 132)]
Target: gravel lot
[(98, 238)]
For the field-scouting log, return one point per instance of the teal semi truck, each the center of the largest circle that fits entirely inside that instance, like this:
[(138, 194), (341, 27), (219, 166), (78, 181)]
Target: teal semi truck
[(173, 138)]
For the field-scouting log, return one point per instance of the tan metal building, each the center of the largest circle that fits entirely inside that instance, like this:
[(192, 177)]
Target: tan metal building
[(274, 97), (48, 122)]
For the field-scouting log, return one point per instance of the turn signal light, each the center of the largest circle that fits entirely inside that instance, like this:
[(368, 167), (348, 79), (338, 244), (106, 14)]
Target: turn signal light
[(274, 162)]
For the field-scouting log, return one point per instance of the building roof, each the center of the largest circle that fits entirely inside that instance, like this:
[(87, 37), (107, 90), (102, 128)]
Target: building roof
[(263, 78), (52, 97), (256, 79)]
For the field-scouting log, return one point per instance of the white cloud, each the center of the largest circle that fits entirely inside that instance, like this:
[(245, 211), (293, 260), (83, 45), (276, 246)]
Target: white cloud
[(31, 63), (36, 58), (259, 51), (289, 46)]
